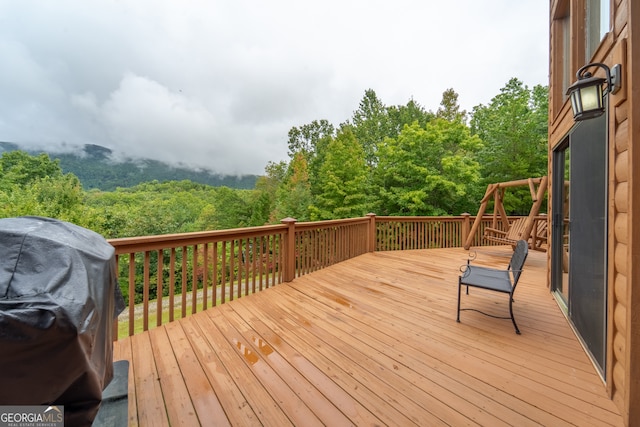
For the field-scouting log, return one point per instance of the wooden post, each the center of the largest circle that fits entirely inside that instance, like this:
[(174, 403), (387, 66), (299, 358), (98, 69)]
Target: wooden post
[(466, 225), (503, 214), (542, 188), (532, 190), (497, 202), (290, 250), (371, 236), (478, 220)]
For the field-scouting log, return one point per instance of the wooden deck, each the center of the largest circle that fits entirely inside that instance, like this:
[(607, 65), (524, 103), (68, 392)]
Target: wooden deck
[(370, 341)]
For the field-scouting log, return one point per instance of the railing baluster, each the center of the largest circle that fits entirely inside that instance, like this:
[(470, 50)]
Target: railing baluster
[(159, 286), (115, 323), (261, 261), (194, 280), (254, 265), (172, 282), (246, 256), (145, 292), (237, 270), (184, 288), (236, 279), (214, 276), (240, 262), (205, 274), (223, 273), (279, 263), (132, 291)]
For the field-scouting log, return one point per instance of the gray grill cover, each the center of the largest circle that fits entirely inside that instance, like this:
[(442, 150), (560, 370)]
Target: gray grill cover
[(59, 297)]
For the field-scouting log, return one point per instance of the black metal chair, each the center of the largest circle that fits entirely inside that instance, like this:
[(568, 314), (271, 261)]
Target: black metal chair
[(495, 279)]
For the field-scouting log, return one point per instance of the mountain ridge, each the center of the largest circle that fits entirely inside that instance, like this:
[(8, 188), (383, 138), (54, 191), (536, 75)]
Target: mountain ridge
[(96, 168)]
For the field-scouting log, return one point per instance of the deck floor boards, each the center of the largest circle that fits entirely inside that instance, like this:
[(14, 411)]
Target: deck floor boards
[(371, 341)]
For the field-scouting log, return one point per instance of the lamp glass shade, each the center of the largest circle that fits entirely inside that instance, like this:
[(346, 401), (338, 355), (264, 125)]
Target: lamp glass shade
[(587, 98), (591, 97)]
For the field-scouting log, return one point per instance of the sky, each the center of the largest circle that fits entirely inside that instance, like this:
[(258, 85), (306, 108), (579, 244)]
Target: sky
[(218, 84)]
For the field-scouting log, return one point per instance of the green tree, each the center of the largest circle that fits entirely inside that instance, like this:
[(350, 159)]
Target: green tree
[(311, 140), (263, 200), (371, 125), (402, 115), (342, 180), (449, 107), (20, 168), (231, 210), (306, 138), (175, 207), (513, 128), (293, 198), (428, 171), (60, 197), (35, 185), (373, 121)]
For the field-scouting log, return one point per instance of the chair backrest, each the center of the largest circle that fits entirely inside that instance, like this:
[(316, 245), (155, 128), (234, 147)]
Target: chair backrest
[(516, 229), (517, 260)]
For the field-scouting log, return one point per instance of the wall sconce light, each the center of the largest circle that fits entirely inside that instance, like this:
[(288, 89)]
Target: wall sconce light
[(586, 94)]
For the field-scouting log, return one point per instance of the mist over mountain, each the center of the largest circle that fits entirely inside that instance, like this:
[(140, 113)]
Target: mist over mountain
[(97, 167)]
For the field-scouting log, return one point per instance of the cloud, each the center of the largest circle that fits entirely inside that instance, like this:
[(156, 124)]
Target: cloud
[(218, 84), (145, 119)]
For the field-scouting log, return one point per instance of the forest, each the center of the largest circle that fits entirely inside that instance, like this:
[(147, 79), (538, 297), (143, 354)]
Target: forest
[(390, 160)]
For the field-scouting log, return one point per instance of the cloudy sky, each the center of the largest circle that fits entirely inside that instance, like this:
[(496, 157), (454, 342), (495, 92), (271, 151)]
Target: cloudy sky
[(218, 83)]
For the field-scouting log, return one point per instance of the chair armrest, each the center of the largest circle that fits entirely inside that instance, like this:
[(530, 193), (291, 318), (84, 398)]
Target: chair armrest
[(495, 230), (464, 268)]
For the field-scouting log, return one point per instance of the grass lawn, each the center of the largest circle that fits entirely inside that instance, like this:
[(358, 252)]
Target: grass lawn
[(123, 326)]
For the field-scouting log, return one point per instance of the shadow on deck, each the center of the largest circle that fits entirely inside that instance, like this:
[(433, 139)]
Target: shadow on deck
[(371, 341)]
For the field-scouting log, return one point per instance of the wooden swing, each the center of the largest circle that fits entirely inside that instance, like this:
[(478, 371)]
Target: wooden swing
[(530, 228)]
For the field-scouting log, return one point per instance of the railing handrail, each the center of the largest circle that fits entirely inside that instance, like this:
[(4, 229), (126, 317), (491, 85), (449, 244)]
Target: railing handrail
[(158, 241), (310, 225), (421, 218), (167, 241)]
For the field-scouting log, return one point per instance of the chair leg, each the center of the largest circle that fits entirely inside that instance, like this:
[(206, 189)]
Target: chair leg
[(511, 313), (459, 286)]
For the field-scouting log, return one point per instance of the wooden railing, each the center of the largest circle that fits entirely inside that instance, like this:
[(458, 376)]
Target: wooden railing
[(323, 243), (186, 273), (172, 276)]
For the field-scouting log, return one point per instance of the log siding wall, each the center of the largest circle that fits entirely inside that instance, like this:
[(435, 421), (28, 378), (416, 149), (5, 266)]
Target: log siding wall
[(618, 46)]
